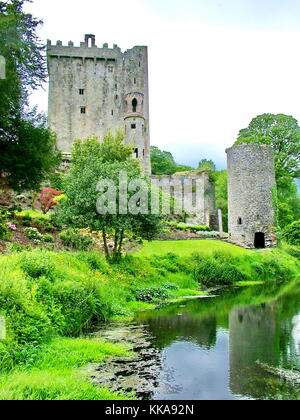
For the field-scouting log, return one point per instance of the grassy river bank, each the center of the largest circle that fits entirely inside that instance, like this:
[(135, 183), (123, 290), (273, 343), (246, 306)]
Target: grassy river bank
[(50, 300)]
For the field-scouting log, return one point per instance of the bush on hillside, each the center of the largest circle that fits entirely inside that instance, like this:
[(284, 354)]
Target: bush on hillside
[(5, 232), (294, 252), (214, 270), (150, 294), (37, 263), (292, 233), (75, 239)]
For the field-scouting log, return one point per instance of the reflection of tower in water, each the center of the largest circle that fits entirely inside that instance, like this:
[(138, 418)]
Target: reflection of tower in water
[(201, 331), (252, 338)]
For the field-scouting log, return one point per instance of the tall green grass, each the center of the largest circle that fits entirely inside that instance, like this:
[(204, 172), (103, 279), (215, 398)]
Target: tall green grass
[(57, 373), (44, 295)]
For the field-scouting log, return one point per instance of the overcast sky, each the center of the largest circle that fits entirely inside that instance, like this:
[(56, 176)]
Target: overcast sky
[(214, 64)]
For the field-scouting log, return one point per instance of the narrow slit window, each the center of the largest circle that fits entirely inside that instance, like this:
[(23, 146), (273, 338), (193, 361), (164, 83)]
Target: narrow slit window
[(240, 221), (136, 152), (81, 91), (134, 81), (83, 110), (112, 112)]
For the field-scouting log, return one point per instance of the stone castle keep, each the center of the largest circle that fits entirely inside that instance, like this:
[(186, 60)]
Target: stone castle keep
[(93, 90)]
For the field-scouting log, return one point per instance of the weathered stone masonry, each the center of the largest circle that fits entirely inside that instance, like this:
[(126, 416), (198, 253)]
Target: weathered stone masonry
[(198, 193), (93, 90), (251, 187)]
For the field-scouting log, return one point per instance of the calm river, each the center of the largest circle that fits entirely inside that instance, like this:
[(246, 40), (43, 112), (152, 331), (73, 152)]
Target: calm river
[(209, 348)]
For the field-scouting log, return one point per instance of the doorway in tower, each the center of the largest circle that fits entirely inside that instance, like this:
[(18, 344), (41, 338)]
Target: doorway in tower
[(259, 240)]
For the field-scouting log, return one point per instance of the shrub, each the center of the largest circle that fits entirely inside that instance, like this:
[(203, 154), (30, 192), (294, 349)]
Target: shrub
[(47, 199), (94, 260), (37, 263), (27, 322), (170, 286), (292, 233), (294, 252), (211, 271), (150, 294), (48, 238), (181, 226), (14, 248), (33, 234), (167, 263), (75, 239), (5, 232)]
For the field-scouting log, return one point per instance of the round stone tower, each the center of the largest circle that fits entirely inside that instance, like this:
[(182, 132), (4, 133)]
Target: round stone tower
[(136, 127), (251, 188)]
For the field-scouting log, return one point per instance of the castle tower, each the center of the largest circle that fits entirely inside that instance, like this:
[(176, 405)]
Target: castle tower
[(251, 187), (93, 90)]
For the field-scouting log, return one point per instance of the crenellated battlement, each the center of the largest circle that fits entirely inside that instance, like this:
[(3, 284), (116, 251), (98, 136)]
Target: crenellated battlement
[(86, 48)]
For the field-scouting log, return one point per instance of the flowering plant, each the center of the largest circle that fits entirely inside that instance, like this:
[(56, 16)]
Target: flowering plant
[(33, 234), (12, 227)]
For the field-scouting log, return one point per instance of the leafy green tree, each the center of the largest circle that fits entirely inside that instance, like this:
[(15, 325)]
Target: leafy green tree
[(163, 162), (183, 168), (292, 233), (91, 166), (28, 152), (207, 164), (280, 131), (288, 201)]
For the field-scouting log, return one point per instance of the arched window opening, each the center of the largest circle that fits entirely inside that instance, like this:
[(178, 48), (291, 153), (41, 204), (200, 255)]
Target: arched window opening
[(134, 105), (136, 152)]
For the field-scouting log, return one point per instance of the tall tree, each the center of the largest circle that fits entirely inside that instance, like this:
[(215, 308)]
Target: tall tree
[(163, 163), (207, 164), (28, 152), (280, 131), (91, 166)]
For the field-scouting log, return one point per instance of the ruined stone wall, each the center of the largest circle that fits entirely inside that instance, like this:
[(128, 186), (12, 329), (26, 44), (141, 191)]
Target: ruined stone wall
[(89, 90), (251, 182), (199, 192)]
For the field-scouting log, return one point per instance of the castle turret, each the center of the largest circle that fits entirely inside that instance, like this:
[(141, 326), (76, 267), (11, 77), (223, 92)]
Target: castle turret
[(88, 90), (251, 188)]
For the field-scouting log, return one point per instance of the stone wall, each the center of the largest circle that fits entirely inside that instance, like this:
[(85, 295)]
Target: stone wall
[(198, 194), (251, 183), (89, 92)]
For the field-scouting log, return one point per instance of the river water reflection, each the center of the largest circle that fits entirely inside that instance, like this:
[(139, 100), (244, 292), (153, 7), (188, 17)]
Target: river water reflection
[(210, 347)]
